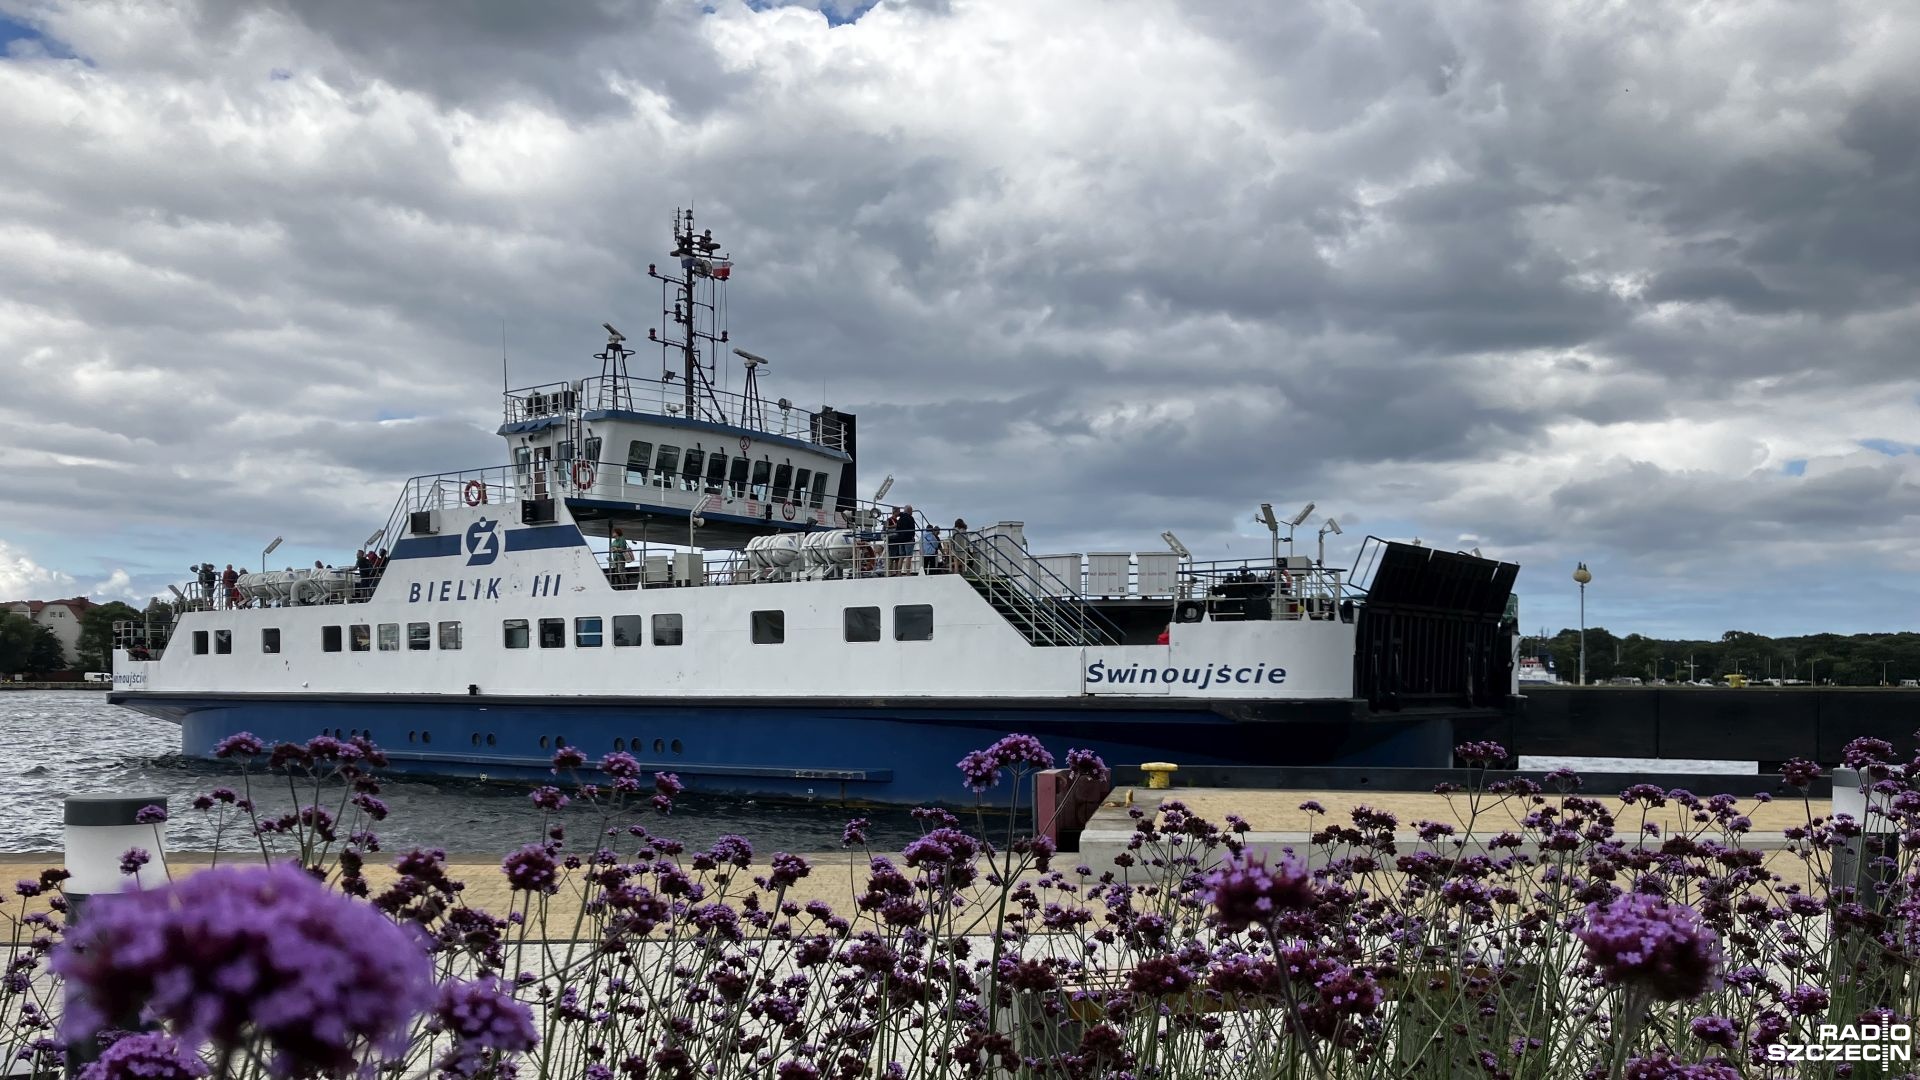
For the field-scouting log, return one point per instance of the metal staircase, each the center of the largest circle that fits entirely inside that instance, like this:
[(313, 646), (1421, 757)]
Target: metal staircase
[(1033, 599)]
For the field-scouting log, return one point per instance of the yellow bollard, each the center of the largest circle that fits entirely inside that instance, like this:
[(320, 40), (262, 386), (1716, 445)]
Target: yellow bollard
[(1159, 773)]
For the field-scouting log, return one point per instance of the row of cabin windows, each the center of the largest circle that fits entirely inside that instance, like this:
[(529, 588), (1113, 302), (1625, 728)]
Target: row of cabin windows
[(697, 469), (911, 622)]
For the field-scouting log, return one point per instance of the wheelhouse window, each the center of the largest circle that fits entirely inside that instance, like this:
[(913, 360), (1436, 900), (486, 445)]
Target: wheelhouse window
[(329, 639), (737, 476), (667, 629), (200, 638), (762, 474), (782, 481), (863, 624), (666, 465), (913, 622), (590, 450), (553, 633), (223, 642), (716, 471), (450, 635), (389, 637), (360, 637), (639, 455), (802, 480), (627, 630), (769, 627), (690, 465), (819, 489), (270, 639), (586, 632), (516, 634), (419, 636)]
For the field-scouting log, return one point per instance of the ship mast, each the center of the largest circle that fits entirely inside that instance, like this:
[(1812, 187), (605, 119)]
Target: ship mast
[(700, 260)]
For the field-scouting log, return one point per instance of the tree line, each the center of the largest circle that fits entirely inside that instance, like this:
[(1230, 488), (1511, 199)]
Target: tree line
[(1824, 659), (28, 648)]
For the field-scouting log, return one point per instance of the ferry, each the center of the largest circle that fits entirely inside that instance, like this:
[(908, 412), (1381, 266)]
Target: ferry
[(687, 572)]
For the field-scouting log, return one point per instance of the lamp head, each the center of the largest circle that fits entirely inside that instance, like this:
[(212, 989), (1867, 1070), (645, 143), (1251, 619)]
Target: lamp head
[(1331, 526), (272, 546), (1266, 516), (1174, 543), (1301, 516), (1581, 575)]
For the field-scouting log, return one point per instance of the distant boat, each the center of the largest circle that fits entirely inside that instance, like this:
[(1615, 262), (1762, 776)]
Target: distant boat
[(1537, 671), (757, 629)]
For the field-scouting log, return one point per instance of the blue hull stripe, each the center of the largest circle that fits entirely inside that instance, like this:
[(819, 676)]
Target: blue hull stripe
[(874, 752), (437, 547)]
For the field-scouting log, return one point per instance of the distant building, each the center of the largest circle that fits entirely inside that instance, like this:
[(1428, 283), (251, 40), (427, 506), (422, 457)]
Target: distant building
[(60, 616)]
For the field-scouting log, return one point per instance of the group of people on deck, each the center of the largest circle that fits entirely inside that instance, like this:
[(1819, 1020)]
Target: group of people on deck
[(221, 588), (905, 540)]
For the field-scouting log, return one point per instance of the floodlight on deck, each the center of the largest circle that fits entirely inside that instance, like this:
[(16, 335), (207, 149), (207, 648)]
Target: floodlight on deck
[(1301, 516), (1173, 542), (1331, 526), (273, 546), (885, 485), (375, 538), (1266, 517)]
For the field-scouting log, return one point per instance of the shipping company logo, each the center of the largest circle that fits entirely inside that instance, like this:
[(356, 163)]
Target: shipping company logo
[(481, 542), (1853, 1042)]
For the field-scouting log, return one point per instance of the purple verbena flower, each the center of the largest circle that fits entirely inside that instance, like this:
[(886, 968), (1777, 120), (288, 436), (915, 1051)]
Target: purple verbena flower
[(1799, 772), (1715, 1031), (1251, 893), (568, 757), (243, 744), (731, 848), (1085, 765), (482, 1016), (1866, 751), (786, 870), (239, 956), (1650, 942), (855, 832), (150, 1055), (150, 815), (548, 798), (620, 764), (668, 784), (531, 869), (1480, 752), (132, 859)]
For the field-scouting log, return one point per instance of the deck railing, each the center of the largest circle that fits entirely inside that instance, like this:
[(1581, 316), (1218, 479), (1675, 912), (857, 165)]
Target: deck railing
[(663, 398)]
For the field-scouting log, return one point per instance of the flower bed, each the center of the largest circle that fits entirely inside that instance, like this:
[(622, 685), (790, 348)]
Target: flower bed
[(1568, 940)]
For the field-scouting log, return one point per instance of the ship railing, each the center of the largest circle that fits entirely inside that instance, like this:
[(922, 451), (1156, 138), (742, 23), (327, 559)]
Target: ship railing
[(143, 639), (1027, 591), (660, 397)]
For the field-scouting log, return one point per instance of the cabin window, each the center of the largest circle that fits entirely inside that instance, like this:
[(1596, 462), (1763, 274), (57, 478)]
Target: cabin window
[(419, 636), (389, 637), (801, 481), (782, 481), (626, 630), (450, 635), (586, 632), (329, 639), (199, 643), (762, 473), (666, 629), (769, 627), (360, 637), (270, 639), (590, 450), (666, 465), (553, 633), (516, 633), (223, 642), (819, 489), (716, 470), (522, 459), (913, 622), (863, 624), (737, 477), (690, 465), (639, 454)]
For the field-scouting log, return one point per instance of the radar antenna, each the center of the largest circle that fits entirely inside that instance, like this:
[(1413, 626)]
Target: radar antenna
[(613, 369), (753, 408), (701, 262)]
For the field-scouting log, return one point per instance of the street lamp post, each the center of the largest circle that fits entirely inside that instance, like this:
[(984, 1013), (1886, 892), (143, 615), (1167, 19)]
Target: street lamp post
[(1581, 575)]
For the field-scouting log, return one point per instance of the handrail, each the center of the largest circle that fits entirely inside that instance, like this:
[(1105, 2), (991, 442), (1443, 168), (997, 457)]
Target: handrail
[(1053, 609), (562, 400)]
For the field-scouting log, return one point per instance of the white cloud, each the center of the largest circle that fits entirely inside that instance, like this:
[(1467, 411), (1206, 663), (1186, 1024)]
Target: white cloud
[(21, 578)]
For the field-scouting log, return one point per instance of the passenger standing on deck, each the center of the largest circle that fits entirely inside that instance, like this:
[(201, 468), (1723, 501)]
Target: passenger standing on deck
[(903, 539), (620, 557), (206, 582), (930, 549), (228, 583), (957, 546)]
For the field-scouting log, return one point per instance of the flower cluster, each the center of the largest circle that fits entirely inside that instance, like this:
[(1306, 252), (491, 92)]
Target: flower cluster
[(1652, 943)]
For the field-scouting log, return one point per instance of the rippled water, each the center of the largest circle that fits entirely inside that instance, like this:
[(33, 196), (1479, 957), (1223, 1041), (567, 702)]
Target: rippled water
[(59, 743)]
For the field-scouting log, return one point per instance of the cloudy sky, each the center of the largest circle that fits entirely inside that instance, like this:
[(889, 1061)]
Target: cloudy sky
[(1631, 283)]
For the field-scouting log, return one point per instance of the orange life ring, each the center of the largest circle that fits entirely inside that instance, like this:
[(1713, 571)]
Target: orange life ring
[(476, 493), (583, 474)]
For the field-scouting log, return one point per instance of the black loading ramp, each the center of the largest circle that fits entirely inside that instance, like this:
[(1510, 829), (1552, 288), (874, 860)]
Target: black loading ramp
[(1431, 633)]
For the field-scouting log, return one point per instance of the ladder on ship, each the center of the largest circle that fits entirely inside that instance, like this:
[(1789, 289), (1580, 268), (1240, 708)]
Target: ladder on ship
[(1034, 601)]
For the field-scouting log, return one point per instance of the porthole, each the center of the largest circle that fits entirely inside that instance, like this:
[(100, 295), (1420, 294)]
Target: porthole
[(560, 742), (426, 736), (619, 744), (476, 738), (659, 746), (676, 746), (543, 742), (489, 738), (412, 736)]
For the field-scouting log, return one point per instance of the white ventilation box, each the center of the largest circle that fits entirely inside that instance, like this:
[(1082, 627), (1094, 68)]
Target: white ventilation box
[(1107, 572), (689, 568), (1159, 573), (1064, 567)]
